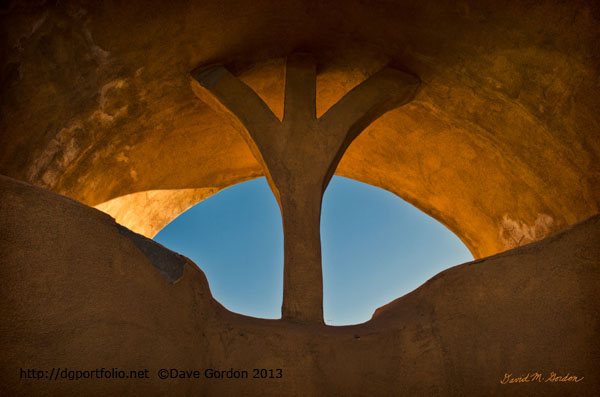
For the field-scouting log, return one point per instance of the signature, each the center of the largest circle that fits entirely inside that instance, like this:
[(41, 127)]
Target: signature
[(538, 377)]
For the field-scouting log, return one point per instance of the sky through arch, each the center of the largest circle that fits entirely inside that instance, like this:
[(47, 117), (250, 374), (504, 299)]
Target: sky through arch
[(375, 248)]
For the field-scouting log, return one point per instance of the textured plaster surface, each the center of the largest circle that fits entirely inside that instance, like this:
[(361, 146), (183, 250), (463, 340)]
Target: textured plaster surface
[(78, 293), (148, 212), (97, 103)]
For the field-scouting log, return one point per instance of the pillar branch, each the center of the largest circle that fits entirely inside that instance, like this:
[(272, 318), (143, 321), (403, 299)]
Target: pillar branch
[(300, 103), (384, 91), (225, 93), (300, 154)]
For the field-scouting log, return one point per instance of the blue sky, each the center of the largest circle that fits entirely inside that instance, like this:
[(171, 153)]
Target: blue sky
[(375, 247)]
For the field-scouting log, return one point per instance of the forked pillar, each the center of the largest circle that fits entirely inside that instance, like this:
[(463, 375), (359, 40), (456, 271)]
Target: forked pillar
[(300, 154)]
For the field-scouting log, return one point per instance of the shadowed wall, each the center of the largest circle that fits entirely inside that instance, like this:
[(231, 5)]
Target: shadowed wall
[(78, 291)]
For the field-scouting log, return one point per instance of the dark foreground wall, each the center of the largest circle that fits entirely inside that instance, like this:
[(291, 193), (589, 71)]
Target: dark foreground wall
[(80, 293)]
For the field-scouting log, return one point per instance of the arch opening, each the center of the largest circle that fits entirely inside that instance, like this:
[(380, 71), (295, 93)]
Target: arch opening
[(375, 248), (236, 238)]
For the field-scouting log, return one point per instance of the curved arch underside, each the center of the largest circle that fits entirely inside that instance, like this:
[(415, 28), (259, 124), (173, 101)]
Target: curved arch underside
[(500, 144)]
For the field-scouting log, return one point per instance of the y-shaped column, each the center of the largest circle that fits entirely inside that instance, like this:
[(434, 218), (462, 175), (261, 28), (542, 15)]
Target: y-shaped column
[(300, 154)]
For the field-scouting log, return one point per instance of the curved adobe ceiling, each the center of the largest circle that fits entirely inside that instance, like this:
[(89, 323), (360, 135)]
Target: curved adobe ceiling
[(500, 144)]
